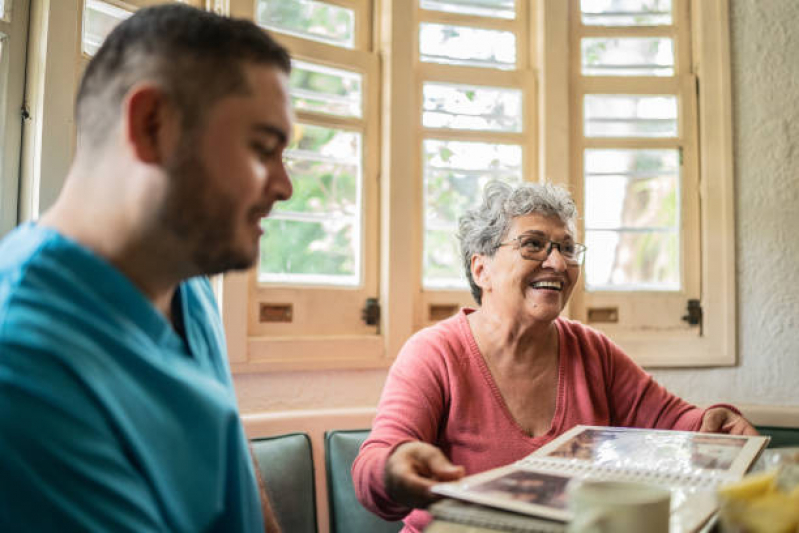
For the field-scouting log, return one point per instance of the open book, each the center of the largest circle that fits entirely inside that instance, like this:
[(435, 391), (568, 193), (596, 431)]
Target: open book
[(691, 464)]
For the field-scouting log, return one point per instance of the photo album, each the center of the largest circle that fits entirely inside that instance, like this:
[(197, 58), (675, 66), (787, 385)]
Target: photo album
[(691, 464)]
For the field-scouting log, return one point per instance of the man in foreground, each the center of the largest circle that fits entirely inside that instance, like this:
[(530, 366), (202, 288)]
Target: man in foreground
[(117, 410)]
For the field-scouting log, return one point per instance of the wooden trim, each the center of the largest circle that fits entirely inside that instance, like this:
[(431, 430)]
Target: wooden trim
[(717, 184), (472, 21), (786, 416), (399, 191), (12, 86)]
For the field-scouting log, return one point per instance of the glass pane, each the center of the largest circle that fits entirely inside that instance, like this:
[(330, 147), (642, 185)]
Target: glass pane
[(455, 173), (627, 260), (312, 252), (472, 107), (626, 12), (5, 10), (315, 237), (309, 19), (628, 56), (486, 8), (630, 116), (462, 45), (325, 89), (632, 189), (99, 18)]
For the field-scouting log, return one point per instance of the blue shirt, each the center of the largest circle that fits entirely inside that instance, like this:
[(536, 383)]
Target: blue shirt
[(109, 420)]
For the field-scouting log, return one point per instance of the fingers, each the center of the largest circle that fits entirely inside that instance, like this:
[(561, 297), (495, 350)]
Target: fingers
[(722, 420), (412, 470), (739, 426), (713, 420)]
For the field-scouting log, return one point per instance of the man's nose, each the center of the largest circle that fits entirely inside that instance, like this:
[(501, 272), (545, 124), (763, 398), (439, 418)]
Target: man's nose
[(280, 182)]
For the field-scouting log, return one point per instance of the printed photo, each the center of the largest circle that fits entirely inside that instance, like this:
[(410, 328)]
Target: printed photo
[(528, 487)]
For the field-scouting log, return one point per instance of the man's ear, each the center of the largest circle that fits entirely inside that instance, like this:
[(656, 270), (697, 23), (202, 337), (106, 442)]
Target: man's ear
[(151, 123), (481, 271)]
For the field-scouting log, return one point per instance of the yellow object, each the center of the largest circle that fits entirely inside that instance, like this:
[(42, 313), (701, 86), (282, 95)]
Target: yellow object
[(751, 487), (756, 505)]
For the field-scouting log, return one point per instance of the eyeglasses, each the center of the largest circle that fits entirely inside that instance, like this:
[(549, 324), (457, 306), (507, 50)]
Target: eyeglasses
[(538, 247)]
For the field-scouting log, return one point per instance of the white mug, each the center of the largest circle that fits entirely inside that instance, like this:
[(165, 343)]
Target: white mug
[(618, 507)]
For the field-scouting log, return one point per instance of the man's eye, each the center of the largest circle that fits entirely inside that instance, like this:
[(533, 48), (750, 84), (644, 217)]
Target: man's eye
[(262, 151)]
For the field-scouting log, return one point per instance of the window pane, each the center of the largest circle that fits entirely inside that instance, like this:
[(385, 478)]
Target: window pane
[(5, 15), (630, 116), (628, 260), (309, 19), (487, 8), (455, 173), (462, 45), (99, 18), (472, 107), (325, 89), (628, 57), (626, 12), (631, 189), (316, 236)]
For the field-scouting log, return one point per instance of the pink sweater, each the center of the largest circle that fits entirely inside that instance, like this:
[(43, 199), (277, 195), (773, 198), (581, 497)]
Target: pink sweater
[(440, 391)]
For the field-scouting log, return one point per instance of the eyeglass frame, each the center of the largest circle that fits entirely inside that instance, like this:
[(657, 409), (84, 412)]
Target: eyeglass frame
[(581, 248)]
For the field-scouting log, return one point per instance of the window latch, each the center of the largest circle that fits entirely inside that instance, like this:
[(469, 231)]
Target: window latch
[(370, 313), (694, 310)]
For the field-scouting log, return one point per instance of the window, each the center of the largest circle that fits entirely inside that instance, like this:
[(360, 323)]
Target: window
[(318, 264), (401, 119), (635, 173), (13, 27), (477, 98)]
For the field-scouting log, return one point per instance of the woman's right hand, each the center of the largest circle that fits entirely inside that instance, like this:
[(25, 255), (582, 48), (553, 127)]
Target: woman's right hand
[(413, 468)]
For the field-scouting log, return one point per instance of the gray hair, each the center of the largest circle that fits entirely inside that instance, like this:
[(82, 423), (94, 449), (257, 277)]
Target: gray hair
[(481, 230)]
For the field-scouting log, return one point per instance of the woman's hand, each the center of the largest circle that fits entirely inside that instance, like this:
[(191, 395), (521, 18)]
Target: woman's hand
[(413, 468), (723, 420)]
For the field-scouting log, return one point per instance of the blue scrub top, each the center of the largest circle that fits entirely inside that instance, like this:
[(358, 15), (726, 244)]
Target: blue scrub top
[(109, 421)]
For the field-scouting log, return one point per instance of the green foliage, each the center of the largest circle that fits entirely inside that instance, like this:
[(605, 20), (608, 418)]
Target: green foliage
[(290, 247)]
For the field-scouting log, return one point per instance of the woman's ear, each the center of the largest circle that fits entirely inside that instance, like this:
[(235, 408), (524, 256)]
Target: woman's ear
[(481, 271)]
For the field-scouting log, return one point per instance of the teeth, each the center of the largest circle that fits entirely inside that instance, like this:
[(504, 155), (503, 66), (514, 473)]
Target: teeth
[(548, 285)]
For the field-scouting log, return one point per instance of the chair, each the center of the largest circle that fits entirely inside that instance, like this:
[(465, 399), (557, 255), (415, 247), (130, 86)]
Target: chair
[(347, 515), (780, 437), (286, 466)]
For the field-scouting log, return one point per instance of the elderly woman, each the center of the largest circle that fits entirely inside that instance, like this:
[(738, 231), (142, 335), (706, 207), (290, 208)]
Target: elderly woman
[(489, 386)]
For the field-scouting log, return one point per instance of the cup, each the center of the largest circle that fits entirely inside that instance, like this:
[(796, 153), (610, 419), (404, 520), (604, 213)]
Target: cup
[(618, 507)]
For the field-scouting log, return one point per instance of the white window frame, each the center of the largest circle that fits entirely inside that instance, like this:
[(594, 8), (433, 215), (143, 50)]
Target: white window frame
[(342, 340), (13, 38)]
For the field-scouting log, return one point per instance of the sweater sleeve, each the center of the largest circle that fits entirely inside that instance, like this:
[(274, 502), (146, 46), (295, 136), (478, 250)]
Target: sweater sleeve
[(411, 408), (637, 400)]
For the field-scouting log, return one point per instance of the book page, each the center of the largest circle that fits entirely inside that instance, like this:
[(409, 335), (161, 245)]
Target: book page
[(516, 489), (678, 453)]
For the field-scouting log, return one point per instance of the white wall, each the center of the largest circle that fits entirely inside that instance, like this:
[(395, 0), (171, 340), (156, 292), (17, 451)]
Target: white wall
[(765, 40)]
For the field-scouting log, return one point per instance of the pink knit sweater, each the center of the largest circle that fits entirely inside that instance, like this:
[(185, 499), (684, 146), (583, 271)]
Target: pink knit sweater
[(440, 391)]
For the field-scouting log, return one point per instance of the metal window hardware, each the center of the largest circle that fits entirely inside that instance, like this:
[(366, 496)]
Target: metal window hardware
[(694, 310), (370, 313)]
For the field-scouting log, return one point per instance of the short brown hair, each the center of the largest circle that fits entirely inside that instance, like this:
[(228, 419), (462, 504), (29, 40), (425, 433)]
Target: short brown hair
[(197, 56)]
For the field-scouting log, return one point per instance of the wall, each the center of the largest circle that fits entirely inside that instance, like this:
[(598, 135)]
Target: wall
[(765, 36)]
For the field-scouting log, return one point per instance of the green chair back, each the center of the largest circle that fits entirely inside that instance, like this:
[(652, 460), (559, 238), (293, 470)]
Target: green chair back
[(286, 466), (347, 515), (780, 437)]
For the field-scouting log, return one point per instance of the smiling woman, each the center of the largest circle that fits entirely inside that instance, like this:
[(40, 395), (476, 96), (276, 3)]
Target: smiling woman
[(512, 371)]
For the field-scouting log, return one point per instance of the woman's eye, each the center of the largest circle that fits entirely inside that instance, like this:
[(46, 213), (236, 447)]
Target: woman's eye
[(532, 243)]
